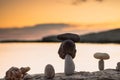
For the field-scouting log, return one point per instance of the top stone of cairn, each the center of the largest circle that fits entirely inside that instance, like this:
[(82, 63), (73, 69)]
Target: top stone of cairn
[(70, 36)]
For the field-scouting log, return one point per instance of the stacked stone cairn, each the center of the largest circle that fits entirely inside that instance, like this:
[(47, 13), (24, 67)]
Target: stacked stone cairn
[(67, 51), (101, 57), (15, 73)]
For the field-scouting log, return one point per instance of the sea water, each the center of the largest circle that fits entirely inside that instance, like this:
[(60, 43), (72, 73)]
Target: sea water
[(38, 55)]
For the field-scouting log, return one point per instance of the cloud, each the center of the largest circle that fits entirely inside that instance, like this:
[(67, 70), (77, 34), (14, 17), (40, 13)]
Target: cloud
[(76, 2), (99, 0), (31, 32), (39, 31)]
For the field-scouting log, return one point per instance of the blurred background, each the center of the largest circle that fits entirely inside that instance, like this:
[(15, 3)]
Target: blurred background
[(35, 19)]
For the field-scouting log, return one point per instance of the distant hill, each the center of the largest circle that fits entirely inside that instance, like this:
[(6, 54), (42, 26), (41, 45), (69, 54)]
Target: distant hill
[(52, 38), (111, 36)]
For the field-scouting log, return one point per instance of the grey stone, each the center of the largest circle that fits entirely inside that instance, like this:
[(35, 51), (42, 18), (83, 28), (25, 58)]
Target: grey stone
[(101, 64), (49, 72), (28, 77), (69, 65), (118, 66), (100, 55)]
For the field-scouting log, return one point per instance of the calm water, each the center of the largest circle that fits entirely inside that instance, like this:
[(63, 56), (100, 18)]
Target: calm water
[(38, 55)]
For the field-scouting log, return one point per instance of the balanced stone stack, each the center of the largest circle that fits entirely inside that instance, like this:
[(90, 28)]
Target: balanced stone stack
[(101, 57), (67, 51)]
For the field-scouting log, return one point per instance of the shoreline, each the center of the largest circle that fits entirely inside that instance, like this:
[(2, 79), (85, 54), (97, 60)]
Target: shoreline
[(108, 74), (57, 42)]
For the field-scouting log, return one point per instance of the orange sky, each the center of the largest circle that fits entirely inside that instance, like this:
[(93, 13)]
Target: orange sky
[(20, 13)]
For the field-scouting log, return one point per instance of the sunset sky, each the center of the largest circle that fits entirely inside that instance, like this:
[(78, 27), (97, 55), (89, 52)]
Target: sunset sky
[(19, 13), (85, 14)]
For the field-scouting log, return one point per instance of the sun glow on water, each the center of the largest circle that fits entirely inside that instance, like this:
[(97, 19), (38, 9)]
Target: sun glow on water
[(38, 55)]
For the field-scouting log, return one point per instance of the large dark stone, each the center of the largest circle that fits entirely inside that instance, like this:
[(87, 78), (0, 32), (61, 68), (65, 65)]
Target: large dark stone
[(67, 47), (71, 36), (118, 66)]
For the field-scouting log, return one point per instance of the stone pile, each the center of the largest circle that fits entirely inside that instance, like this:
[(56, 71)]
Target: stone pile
[(15, 73), (67, 51), (102, 57)]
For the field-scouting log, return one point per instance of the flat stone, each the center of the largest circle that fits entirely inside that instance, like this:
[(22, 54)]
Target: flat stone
[(71, 36)]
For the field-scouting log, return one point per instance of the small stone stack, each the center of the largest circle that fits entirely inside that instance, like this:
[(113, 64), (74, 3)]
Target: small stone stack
[(101, 57), (67, 51)]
